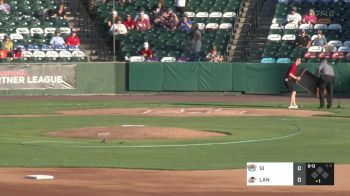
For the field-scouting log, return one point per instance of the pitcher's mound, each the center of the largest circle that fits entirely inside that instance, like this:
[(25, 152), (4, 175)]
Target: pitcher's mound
[(134, 132)]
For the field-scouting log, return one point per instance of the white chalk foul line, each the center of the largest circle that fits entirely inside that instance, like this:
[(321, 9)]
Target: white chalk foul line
[(298, 131), (218, 110), (241, 113), (147, 111)]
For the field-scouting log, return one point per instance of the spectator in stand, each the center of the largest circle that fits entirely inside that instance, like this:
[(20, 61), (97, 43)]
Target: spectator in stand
[(196, 41), (4, 7), (310, 18), (124, 2), (114, 18), (158, 8), (172, 21), (303, 40), (142, 12), (118, 28), (60, 12), (143, 24), (8, 45), (294, 17), (321, 40), (160, 20), (214, 56), (180, 6), (129, 22), (146, 51), (17, 53), (186, 24), (73, 39), (57, 40)]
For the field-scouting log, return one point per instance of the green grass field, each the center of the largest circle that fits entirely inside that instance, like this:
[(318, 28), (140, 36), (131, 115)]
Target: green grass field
[(291, 139)]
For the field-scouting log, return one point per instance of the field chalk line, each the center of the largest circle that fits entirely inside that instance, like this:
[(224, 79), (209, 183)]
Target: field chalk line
[(299, 130), (241, 113)]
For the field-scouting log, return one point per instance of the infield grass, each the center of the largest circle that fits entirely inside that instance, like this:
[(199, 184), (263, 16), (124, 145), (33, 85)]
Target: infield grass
[(320, 138)]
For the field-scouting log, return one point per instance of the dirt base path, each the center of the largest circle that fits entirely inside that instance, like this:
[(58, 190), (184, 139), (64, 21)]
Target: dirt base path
[(107, 182), (189, 112)]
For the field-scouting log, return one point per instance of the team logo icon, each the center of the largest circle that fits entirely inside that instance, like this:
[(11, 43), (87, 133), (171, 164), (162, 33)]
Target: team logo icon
[(251, 179), (251, 167)]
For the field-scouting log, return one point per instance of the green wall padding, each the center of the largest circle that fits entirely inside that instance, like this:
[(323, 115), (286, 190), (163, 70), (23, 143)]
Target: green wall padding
[(238, 77), (215, 77), (250, 78), (180, 77), (146, 76), (95, 79), (262, 78)]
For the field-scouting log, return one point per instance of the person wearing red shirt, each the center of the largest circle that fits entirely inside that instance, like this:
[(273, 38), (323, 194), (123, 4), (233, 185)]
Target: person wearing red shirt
[(146, 51), (290, 80), (73, 39), (129, 22), (310, 18)]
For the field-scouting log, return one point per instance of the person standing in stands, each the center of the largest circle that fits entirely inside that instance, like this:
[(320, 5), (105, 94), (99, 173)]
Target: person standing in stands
[(180, 6), (290, 80), (326, 74), (197, 42)]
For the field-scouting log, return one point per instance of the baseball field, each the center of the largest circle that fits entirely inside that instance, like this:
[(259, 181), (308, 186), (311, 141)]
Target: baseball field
[(165, 144)]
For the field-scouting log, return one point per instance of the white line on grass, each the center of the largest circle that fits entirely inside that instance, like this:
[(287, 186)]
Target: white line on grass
[(298, 131)]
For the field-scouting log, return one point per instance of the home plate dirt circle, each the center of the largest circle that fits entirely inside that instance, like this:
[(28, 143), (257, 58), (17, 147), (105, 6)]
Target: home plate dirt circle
[(133, 132)]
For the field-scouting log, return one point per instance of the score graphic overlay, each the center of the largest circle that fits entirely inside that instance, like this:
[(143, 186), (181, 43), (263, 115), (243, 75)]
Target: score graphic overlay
[(289, 174)]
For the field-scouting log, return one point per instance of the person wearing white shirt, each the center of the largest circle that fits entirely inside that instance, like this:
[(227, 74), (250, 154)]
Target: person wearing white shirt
[(180, 6), (294, 17), (118, 28)]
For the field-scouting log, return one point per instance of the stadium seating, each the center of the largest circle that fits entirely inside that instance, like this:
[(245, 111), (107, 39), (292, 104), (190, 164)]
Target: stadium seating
[(215, 18), (332, 20), (31, 31)]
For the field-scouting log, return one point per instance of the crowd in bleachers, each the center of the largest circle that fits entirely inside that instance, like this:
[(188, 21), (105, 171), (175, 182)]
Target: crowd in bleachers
[(322, 32), (37, 31), (184, 29)]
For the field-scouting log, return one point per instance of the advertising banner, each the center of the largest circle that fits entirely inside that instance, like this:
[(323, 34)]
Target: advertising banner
[(37, 76)]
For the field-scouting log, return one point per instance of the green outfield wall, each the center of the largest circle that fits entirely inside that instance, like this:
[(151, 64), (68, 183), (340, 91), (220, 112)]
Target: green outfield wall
[(114, 78), (249, 78)]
